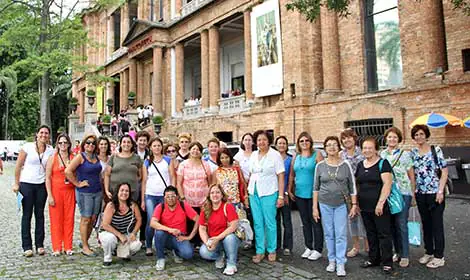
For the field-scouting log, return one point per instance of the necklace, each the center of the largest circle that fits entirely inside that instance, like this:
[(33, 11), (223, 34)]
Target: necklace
[(332, 174)]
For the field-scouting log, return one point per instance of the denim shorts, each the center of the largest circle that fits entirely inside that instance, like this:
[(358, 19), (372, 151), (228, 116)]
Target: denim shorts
[(89, 203)]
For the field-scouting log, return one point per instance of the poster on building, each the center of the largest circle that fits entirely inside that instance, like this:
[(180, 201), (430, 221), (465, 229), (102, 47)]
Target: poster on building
[(266, 49)]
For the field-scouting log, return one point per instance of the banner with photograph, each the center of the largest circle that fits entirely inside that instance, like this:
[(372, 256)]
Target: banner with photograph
[(266, 49)]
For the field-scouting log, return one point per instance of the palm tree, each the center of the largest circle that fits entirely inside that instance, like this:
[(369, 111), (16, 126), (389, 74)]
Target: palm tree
[(8, 86), (389, 49)]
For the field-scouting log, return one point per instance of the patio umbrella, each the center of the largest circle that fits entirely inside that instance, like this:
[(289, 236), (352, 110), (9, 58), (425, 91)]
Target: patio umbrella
[(466, 122), (436, 120)]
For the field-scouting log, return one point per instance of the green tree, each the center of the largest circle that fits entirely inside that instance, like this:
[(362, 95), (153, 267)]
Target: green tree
[(311, 8), (8, 87)]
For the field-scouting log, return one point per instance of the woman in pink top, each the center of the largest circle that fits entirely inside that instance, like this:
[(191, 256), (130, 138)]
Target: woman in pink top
[(193, 177)]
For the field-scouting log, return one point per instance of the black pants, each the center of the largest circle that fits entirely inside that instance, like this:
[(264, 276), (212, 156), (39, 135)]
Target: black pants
[(34, 200), (287, 241), (432, 217), (379, 236), (311, 229)]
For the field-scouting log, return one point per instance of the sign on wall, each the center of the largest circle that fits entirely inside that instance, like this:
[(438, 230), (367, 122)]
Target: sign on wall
[(266, 49)]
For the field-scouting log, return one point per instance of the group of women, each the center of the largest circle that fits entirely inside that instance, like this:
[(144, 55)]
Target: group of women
[(338, 191)]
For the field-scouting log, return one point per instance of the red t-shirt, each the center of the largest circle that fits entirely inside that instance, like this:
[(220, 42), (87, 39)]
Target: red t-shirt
[(218, 220), (176, 218)]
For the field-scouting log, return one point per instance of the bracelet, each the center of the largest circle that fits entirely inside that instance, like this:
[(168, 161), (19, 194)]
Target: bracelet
[(280, 197)]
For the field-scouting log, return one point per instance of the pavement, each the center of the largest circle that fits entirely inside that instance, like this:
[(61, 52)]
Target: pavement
[(14, 266)]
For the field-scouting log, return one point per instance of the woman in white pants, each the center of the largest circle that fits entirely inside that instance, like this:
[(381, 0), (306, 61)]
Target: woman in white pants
[(121, 221)]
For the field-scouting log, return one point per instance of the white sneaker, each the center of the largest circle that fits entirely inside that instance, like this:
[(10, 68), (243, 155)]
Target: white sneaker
[(340, 271), (315, 255), (436, 262), (307, 253), (395, 258), (230, 270), (220, 263), (160, 264), (425, 259), (331, 267), (176, 258)]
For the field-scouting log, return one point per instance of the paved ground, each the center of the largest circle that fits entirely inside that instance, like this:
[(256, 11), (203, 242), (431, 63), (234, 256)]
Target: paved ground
[(14, 266)]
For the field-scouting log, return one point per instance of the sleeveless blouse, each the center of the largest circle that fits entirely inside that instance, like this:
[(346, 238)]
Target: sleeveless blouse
[(91, 172), (124, 223), (58, 174)]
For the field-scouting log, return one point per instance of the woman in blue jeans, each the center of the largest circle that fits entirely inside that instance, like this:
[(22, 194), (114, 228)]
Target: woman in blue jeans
[(334, 183), (84, 172), (30, 177), (301, 181), (217, 224), (157, 174), (402, 165)]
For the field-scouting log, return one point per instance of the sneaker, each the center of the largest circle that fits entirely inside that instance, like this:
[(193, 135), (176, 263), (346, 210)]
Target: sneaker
[(331, 267), (106, 264), (176, 258), (436, 262), (315, 255), (425, 259), (220, 262), (28, 253), (340, 271), (286, 252), (230, 270), (396, 258), (404, 262), (160, 265), (306, 253)]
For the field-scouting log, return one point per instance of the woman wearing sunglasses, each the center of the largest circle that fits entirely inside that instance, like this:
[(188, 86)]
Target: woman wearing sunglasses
[(61, 197), (84, 172)]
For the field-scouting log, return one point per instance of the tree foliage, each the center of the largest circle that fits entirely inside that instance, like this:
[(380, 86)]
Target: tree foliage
[(311, 8)]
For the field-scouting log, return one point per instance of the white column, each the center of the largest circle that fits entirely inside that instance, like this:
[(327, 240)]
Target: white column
[(173, 82)]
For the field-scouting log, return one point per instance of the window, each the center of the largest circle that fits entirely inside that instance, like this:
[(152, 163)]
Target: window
[(117, 29), (370, 127), (466, 59), (382, 42), (132, 12), (224, 136), (152, 10), (238, 83)]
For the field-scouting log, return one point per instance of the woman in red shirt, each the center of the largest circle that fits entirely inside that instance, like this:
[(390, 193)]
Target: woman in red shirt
[(217, 224)]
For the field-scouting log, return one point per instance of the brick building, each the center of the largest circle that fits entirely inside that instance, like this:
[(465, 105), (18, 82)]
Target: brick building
[(201, 62)]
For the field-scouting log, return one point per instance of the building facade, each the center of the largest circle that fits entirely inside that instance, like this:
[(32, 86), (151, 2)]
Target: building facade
[(227, 67)]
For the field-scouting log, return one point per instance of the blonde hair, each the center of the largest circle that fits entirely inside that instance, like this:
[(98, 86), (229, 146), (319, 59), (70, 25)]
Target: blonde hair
[(185, 135), (207, 207)]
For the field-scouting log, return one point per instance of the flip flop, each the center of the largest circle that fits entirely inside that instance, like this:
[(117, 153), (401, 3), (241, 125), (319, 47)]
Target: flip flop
[(92, 254)]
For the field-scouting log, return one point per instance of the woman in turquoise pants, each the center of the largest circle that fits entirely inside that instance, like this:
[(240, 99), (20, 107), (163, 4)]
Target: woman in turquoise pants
[(266, 179)]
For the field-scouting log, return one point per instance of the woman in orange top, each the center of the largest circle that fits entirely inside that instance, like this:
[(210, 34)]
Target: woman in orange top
[(61, 197)]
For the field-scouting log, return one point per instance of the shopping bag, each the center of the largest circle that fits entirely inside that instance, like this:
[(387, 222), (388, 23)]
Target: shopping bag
[(414, 227)]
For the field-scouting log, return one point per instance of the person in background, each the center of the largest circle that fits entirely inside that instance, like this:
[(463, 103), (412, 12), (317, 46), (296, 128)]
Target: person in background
[(265, 190), (1, 166), (184, 139), (157, 174), (402, 165), (121, 221), (169, 221), (132, 133), (353, 155), (30, 177), (217, 225), (171, 150), (213, 146), (334, 182), (84, 172), (284, 212), (76, 149), (61, 197), (242, 158), (113, 144), (301, 181), (430, 190), (374, 178)]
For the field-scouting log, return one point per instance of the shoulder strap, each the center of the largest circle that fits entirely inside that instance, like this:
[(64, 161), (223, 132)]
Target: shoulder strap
[(161, 176), (205, 172), (399, 156), (434, 154)]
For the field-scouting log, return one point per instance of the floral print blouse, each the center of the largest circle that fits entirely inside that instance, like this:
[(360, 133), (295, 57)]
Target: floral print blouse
[(229, 179), (427, 181), (400, 168), (354, 159)]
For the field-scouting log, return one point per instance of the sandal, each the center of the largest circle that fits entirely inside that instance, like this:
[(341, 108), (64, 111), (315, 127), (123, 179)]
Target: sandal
[(56, 254), (148, 252), (257, 258), (41, 251), (352, 253), (387, 269), (368, 264), (272, 257), (92, 254), (69, 253)]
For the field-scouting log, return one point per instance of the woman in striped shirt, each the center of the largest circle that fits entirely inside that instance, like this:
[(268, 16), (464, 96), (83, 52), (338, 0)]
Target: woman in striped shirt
[(121, 221)]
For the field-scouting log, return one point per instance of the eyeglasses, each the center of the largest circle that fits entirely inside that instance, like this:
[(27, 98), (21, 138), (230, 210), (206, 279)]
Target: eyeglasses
[(62, 143), (171, 151), (304, 141), (90, 143), (170, 196), (332, 145)]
